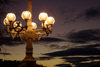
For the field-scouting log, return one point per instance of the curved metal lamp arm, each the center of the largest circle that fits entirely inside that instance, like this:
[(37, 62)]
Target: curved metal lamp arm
[(17, 30), (39, 32)]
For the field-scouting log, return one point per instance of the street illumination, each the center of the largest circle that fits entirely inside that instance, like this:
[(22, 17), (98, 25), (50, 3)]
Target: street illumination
[(50, 20), (11, 17), (43, 16), (26, 15), (6, 22), (29, 32), (17, 24), (34, 25)]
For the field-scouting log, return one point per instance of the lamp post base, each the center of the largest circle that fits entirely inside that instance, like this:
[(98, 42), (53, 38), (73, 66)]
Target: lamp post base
[(29, 61), (29, 64)]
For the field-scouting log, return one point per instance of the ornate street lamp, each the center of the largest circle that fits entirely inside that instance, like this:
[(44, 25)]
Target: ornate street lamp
[(28, 32)]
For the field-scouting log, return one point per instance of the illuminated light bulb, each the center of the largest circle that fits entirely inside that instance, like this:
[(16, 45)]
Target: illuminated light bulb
[(17, 23), (11, 17), (34, 25), (43, 16), (6, 22), (26, 15), (50, 20)]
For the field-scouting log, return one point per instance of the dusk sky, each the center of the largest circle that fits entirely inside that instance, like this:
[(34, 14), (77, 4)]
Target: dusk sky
[(75, 34)]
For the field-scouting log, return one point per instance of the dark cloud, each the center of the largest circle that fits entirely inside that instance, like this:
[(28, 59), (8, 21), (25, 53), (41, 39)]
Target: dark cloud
[(4, 53), (77, 61), (92, 12), (51, 42), (63, 65), (89, 14), (56, 46), (84, 36), (9, 41), (87, 50), (44, 58), (4, 2), (50, 39), (17, 41), (82, 54)]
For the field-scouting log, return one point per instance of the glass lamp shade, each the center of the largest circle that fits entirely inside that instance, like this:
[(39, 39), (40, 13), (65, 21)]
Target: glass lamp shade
[(26, 15), (34, 25), (11, 17), (43, 16), (6, 22), (17, 24), (50, 20)]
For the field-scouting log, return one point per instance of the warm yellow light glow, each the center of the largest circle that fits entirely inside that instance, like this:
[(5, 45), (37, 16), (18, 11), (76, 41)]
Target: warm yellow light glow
[(11, 17), (43, 16), (50, 20), (34, 25), (26, 15), (16, 24), (6, 22)]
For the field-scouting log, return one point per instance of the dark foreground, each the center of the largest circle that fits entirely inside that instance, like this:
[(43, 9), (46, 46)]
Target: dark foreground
[(8, 63)]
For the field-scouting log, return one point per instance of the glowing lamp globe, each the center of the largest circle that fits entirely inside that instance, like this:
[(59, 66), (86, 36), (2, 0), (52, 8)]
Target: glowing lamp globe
[(6, 22), (34, 25), (43, 16), (50, 20), (11, 17), (26, 15), (17, 24)]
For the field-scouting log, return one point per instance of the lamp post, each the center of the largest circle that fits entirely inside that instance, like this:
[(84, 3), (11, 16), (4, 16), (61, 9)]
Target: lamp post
[(28, 32)]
